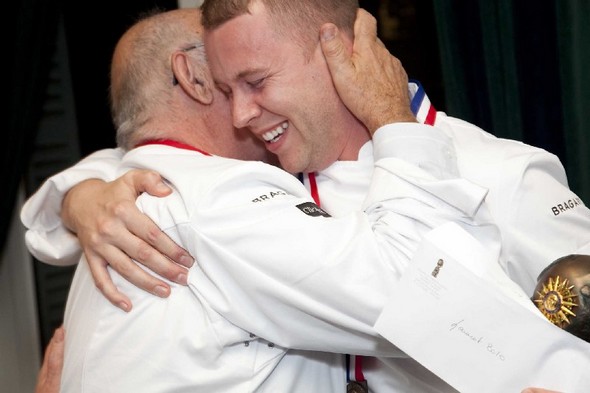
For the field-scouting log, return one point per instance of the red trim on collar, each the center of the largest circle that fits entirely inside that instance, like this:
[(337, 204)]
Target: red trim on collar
[(172, 143), (431, 116), (313, 188)]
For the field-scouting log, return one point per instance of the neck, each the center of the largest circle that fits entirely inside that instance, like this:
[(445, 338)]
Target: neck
[(189, 133), (357, 137), (173, 143), (354, 135)]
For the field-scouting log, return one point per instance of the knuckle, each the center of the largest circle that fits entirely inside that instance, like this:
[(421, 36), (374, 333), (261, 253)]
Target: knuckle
[(93, 240), (144, 177), (104, 228), (373, 21), (124, 269), (100, 285), (119, 209), (144, 252), (178, 253), (151, 176), (132, 173), (153, 234)]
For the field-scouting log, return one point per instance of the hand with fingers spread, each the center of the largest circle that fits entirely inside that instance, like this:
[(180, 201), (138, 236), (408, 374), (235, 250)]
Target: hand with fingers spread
[(370, 81), (113, 232)]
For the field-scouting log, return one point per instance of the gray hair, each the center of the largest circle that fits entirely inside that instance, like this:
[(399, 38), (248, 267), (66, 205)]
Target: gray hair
[(142, 83)]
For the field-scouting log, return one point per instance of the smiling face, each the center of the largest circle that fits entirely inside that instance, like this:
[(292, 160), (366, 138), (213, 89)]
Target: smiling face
[(281, 91), (228, 141)]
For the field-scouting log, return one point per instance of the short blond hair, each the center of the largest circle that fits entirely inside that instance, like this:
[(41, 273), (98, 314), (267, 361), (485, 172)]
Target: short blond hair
[(300, 19)]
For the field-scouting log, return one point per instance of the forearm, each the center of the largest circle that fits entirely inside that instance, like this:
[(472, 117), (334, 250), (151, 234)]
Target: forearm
[(313, 282), (47, 237)]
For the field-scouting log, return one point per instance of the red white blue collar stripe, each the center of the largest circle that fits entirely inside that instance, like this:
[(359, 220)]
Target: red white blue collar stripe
[(425, 113), (420, 104)]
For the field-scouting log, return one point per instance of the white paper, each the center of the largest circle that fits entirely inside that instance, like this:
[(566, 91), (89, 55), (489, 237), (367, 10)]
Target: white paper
[(473, 328)]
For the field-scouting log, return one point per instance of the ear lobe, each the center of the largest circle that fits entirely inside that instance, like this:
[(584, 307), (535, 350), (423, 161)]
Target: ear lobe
[(191, 80)]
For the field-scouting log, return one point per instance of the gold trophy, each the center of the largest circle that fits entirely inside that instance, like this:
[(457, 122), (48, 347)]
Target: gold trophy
[(563, 294)]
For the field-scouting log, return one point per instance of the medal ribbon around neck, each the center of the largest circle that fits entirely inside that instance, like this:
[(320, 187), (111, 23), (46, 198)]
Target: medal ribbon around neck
[(425, 113)]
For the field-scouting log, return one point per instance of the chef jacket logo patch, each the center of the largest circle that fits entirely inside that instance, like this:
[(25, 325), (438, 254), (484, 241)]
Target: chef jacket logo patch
[(313, 210), (566, 205), (269, 196)]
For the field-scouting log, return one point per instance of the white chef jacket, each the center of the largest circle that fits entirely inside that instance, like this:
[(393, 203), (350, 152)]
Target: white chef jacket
[(482, 157), (540, 219), (245, 284)]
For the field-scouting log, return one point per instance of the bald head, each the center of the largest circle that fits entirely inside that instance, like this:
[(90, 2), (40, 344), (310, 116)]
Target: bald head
[(158, 34), (141, 69), (161, 88)]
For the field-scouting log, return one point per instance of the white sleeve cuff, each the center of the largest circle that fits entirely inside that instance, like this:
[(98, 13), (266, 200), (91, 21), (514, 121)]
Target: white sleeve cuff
[(47, 239), (421, 145)]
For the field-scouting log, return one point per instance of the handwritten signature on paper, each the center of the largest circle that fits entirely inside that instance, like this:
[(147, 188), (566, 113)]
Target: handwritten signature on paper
[(477, 340)]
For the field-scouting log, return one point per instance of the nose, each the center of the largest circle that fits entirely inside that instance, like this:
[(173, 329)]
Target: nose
[(244, 109)]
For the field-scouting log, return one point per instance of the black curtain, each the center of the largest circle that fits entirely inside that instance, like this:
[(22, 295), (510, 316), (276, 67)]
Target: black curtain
[(407, 28), (32, 27), (91, 32), (518, 70), (43, 36), (573, 41)]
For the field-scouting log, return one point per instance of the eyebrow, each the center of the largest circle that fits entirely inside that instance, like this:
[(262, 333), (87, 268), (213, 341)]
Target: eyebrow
[(241, 75), (249, 72)]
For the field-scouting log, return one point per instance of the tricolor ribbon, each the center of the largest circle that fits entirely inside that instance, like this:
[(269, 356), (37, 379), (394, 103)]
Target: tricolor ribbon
[(425, 113), (420, 104)]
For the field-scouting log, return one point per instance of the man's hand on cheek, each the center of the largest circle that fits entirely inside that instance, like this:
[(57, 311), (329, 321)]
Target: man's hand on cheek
[(370, 81), (113, 232)]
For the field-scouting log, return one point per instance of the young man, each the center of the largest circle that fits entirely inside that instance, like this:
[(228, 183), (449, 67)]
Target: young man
[(281, 91), (275, 76)]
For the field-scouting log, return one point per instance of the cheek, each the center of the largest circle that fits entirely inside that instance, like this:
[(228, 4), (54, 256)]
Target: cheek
[(318, 93), (294, 94)]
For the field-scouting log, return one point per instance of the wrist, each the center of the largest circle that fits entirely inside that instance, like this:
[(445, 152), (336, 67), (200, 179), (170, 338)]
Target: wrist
[(390, 118), (74, 201)]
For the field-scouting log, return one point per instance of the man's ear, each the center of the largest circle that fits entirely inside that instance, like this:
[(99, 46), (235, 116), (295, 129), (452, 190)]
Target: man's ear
[(195, 83)]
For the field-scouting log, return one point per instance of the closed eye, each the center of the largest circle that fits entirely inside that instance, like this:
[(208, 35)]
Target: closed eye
[(256, 83)]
